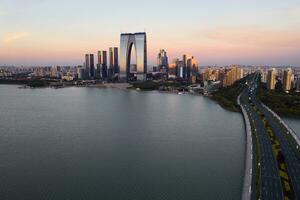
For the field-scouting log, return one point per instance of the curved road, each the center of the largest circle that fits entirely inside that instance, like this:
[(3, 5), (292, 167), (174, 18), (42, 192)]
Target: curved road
[(269, 138)]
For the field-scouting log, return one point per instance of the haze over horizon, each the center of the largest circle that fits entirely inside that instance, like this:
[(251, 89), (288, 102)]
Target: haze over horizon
[(250, 32)]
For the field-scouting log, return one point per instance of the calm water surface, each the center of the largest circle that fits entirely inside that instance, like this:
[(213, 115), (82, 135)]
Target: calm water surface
[(294, 124), (88, 143)]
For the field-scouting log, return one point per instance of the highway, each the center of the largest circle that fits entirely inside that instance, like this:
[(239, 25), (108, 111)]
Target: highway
[(291, 158), (276, 163)]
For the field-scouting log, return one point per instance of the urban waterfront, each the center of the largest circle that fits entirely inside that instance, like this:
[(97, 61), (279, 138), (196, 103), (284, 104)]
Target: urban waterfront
[(89, 143)]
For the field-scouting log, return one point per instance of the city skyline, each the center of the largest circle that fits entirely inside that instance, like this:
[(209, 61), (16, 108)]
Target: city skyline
[(59, 33), (107, 99)]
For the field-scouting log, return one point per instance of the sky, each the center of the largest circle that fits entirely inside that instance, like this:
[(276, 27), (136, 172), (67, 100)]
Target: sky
[(216, 32)]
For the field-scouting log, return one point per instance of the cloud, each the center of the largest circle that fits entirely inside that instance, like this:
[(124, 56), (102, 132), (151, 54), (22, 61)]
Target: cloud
[(13, 37), (255, 36)]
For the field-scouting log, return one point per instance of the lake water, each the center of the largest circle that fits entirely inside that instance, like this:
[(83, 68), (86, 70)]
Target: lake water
[(294, 124), (89, 143)]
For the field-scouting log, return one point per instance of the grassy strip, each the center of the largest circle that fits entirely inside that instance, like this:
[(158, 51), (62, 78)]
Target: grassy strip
[(227, 96), (31, 83), (290, 139), (283, 104), (154, 85)]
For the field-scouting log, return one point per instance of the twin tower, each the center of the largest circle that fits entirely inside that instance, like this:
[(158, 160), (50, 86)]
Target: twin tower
[(139, 42)]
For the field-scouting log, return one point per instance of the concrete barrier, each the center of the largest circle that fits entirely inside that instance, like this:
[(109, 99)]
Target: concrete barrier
[(291, 131), (246, 194)]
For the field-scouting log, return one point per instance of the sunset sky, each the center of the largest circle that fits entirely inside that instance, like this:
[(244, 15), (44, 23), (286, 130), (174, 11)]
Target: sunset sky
[(60, 32)]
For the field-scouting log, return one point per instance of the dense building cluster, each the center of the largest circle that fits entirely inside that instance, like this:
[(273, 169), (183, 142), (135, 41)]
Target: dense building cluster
[(115, 65), (285, 79), (104, 70)]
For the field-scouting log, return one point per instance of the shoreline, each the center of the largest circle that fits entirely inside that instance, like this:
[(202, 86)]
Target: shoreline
[(127, 86)]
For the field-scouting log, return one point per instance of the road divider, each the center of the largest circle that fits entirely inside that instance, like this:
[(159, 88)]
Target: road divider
[(284, 124), (246, 194)]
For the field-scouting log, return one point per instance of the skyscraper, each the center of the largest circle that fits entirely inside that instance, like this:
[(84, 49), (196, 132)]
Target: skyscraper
[(162, 61), (234, 70), (240, 73), (99, 57), (185, 59), (231, 75), (228, 78), (104, 64), (263, 76), (179, 69), (287, 80), (99, 63), (80, 72), (175, 67), (139, 41), (192, 67), (89, 66), (113, 61), (54, 72), (92, 66), (298, 83), (271, 79)]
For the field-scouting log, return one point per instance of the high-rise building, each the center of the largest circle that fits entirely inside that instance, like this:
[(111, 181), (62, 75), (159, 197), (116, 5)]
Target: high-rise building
[(104, 64), (287, 80), (162, 61), (139, 41), (227, 78), (240, 73), (116, 60), (271, 79), (298, 83), (192, 67), (211, 74), (99, 57), (54, 72), (39, 72), (89, 66), (231, 75), (172, 69), (216, 75), (206, 74), (234, 75), (99, 64), (80, 73), (110, 70), (263, 76), (180, 69), (92, 66), (113, 61), (175, 67), (185, 59)]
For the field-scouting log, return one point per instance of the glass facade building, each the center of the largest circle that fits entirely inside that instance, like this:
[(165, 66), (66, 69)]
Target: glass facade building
[(104, 64), (162, 61), (139, 42), (89, 66), (113, 60)]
